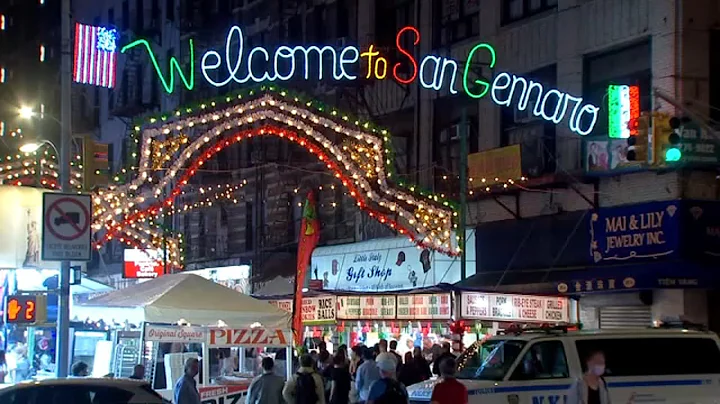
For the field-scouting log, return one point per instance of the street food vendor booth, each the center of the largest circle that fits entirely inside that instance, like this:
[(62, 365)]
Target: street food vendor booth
[(185, 315)]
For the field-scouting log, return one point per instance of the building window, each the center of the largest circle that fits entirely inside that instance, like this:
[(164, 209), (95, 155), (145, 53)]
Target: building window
[(202, 240), (139, 79), (140, 12), (170, 10), (125, 15), (2, 74), (391, 16), (515, 10), (627, 66), (2, 22), (536, 137), (249, 227), (447, 154), (42, 53), (459, 20)]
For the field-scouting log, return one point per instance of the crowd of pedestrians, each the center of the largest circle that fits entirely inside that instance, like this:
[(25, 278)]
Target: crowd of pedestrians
[(368, 375)]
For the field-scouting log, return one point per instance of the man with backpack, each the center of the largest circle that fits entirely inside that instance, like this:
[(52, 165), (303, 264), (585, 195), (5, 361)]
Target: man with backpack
[(387, 390), (306, 386)]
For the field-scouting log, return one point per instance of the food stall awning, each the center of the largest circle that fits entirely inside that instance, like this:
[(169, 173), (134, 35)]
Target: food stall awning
[(195, 300)]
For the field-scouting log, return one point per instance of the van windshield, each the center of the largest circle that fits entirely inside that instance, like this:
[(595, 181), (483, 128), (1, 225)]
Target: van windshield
[(489, 360)]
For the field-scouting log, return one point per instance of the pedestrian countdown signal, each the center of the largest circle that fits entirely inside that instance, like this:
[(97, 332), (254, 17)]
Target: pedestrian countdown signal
[(26, 309)]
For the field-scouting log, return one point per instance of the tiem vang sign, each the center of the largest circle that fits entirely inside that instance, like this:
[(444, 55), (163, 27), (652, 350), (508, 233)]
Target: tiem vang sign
[(286, 63)]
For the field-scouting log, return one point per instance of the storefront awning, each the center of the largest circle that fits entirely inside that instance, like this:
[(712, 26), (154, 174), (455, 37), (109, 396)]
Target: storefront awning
[(592, 279)]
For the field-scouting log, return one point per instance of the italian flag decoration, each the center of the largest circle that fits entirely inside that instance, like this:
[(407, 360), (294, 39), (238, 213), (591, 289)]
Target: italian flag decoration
[(309, 237)]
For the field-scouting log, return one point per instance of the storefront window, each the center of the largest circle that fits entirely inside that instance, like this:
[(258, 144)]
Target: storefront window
[(490, 360)]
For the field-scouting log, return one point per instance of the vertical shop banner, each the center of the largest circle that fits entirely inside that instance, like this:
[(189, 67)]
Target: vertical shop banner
[(636, 232), (309, 237), (318, 310), (366, 307), (501, 307), (424, 307)]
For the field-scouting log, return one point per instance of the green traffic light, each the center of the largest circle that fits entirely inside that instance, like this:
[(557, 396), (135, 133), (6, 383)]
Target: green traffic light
[(673, 154)]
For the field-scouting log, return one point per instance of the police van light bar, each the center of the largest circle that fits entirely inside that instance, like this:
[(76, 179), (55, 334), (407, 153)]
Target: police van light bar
[(518, 329), (680, 325)]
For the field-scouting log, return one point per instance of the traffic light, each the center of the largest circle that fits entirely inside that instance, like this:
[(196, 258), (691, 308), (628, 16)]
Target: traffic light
[(638, 141), (667, 137), (673, 152), (96, 164)]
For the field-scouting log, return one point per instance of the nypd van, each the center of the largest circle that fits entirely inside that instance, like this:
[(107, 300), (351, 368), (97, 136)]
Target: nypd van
[(644, 366)]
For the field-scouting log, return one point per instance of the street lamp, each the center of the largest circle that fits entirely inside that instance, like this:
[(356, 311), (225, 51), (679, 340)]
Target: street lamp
[(62, 338), (32, 147), (26, 112)]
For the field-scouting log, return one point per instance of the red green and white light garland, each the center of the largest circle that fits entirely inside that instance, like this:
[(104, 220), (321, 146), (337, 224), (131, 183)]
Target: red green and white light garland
[(426, 220)]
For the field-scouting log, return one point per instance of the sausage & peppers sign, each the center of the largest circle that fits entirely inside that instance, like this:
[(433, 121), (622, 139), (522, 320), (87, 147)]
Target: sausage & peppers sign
[(284, 63)]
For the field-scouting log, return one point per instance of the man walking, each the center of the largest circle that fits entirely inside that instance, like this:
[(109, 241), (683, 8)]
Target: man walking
[(366, 375), (387, 390), (186, 391), (306, 386), (448, 390), (444, 354), (268, 387)]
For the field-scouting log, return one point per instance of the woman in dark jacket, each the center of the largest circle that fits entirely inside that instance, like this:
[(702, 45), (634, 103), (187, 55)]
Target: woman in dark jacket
[(409, 374), (422, 366)]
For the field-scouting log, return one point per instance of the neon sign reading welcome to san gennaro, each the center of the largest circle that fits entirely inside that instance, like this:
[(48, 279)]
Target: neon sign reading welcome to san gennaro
[(433, 72)]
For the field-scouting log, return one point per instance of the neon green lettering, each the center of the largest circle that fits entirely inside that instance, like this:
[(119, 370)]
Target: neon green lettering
[(168, 83)]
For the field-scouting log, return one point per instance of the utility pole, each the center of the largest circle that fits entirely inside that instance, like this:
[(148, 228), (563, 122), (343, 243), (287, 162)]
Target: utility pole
[(62, 338), (463, 190)]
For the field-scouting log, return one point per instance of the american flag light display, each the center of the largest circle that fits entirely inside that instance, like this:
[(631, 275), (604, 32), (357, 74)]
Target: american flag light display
[(95, 55)]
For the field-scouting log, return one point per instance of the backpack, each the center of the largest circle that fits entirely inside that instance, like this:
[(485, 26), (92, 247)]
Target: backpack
[(394, 393), (305, 392)]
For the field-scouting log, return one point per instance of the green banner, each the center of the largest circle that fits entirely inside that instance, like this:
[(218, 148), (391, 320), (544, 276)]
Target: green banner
[(699, 146)]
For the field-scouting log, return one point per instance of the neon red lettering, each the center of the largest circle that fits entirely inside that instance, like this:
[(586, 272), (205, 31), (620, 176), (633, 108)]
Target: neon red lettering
[(409, 55)]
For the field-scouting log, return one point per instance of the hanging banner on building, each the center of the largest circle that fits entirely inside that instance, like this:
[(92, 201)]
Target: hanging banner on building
[(424, 307), (318, 310), (501, 307), (366, 307), (387, 264), (502, 163), (645, 231)]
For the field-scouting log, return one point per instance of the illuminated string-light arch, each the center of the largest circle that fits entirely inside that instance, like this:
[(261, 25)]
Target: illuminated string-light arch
[(357, 154)]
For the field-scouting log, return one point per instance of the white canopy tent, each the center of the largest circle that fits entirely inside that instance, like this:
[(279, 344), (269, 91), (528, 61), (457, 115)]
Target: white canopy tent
[(192, 299)]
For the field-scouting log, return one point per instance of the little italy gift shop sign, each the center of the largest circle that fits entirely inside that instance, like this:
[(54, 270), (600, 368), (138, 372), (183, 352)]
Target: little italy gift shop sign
[(236, 64)]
